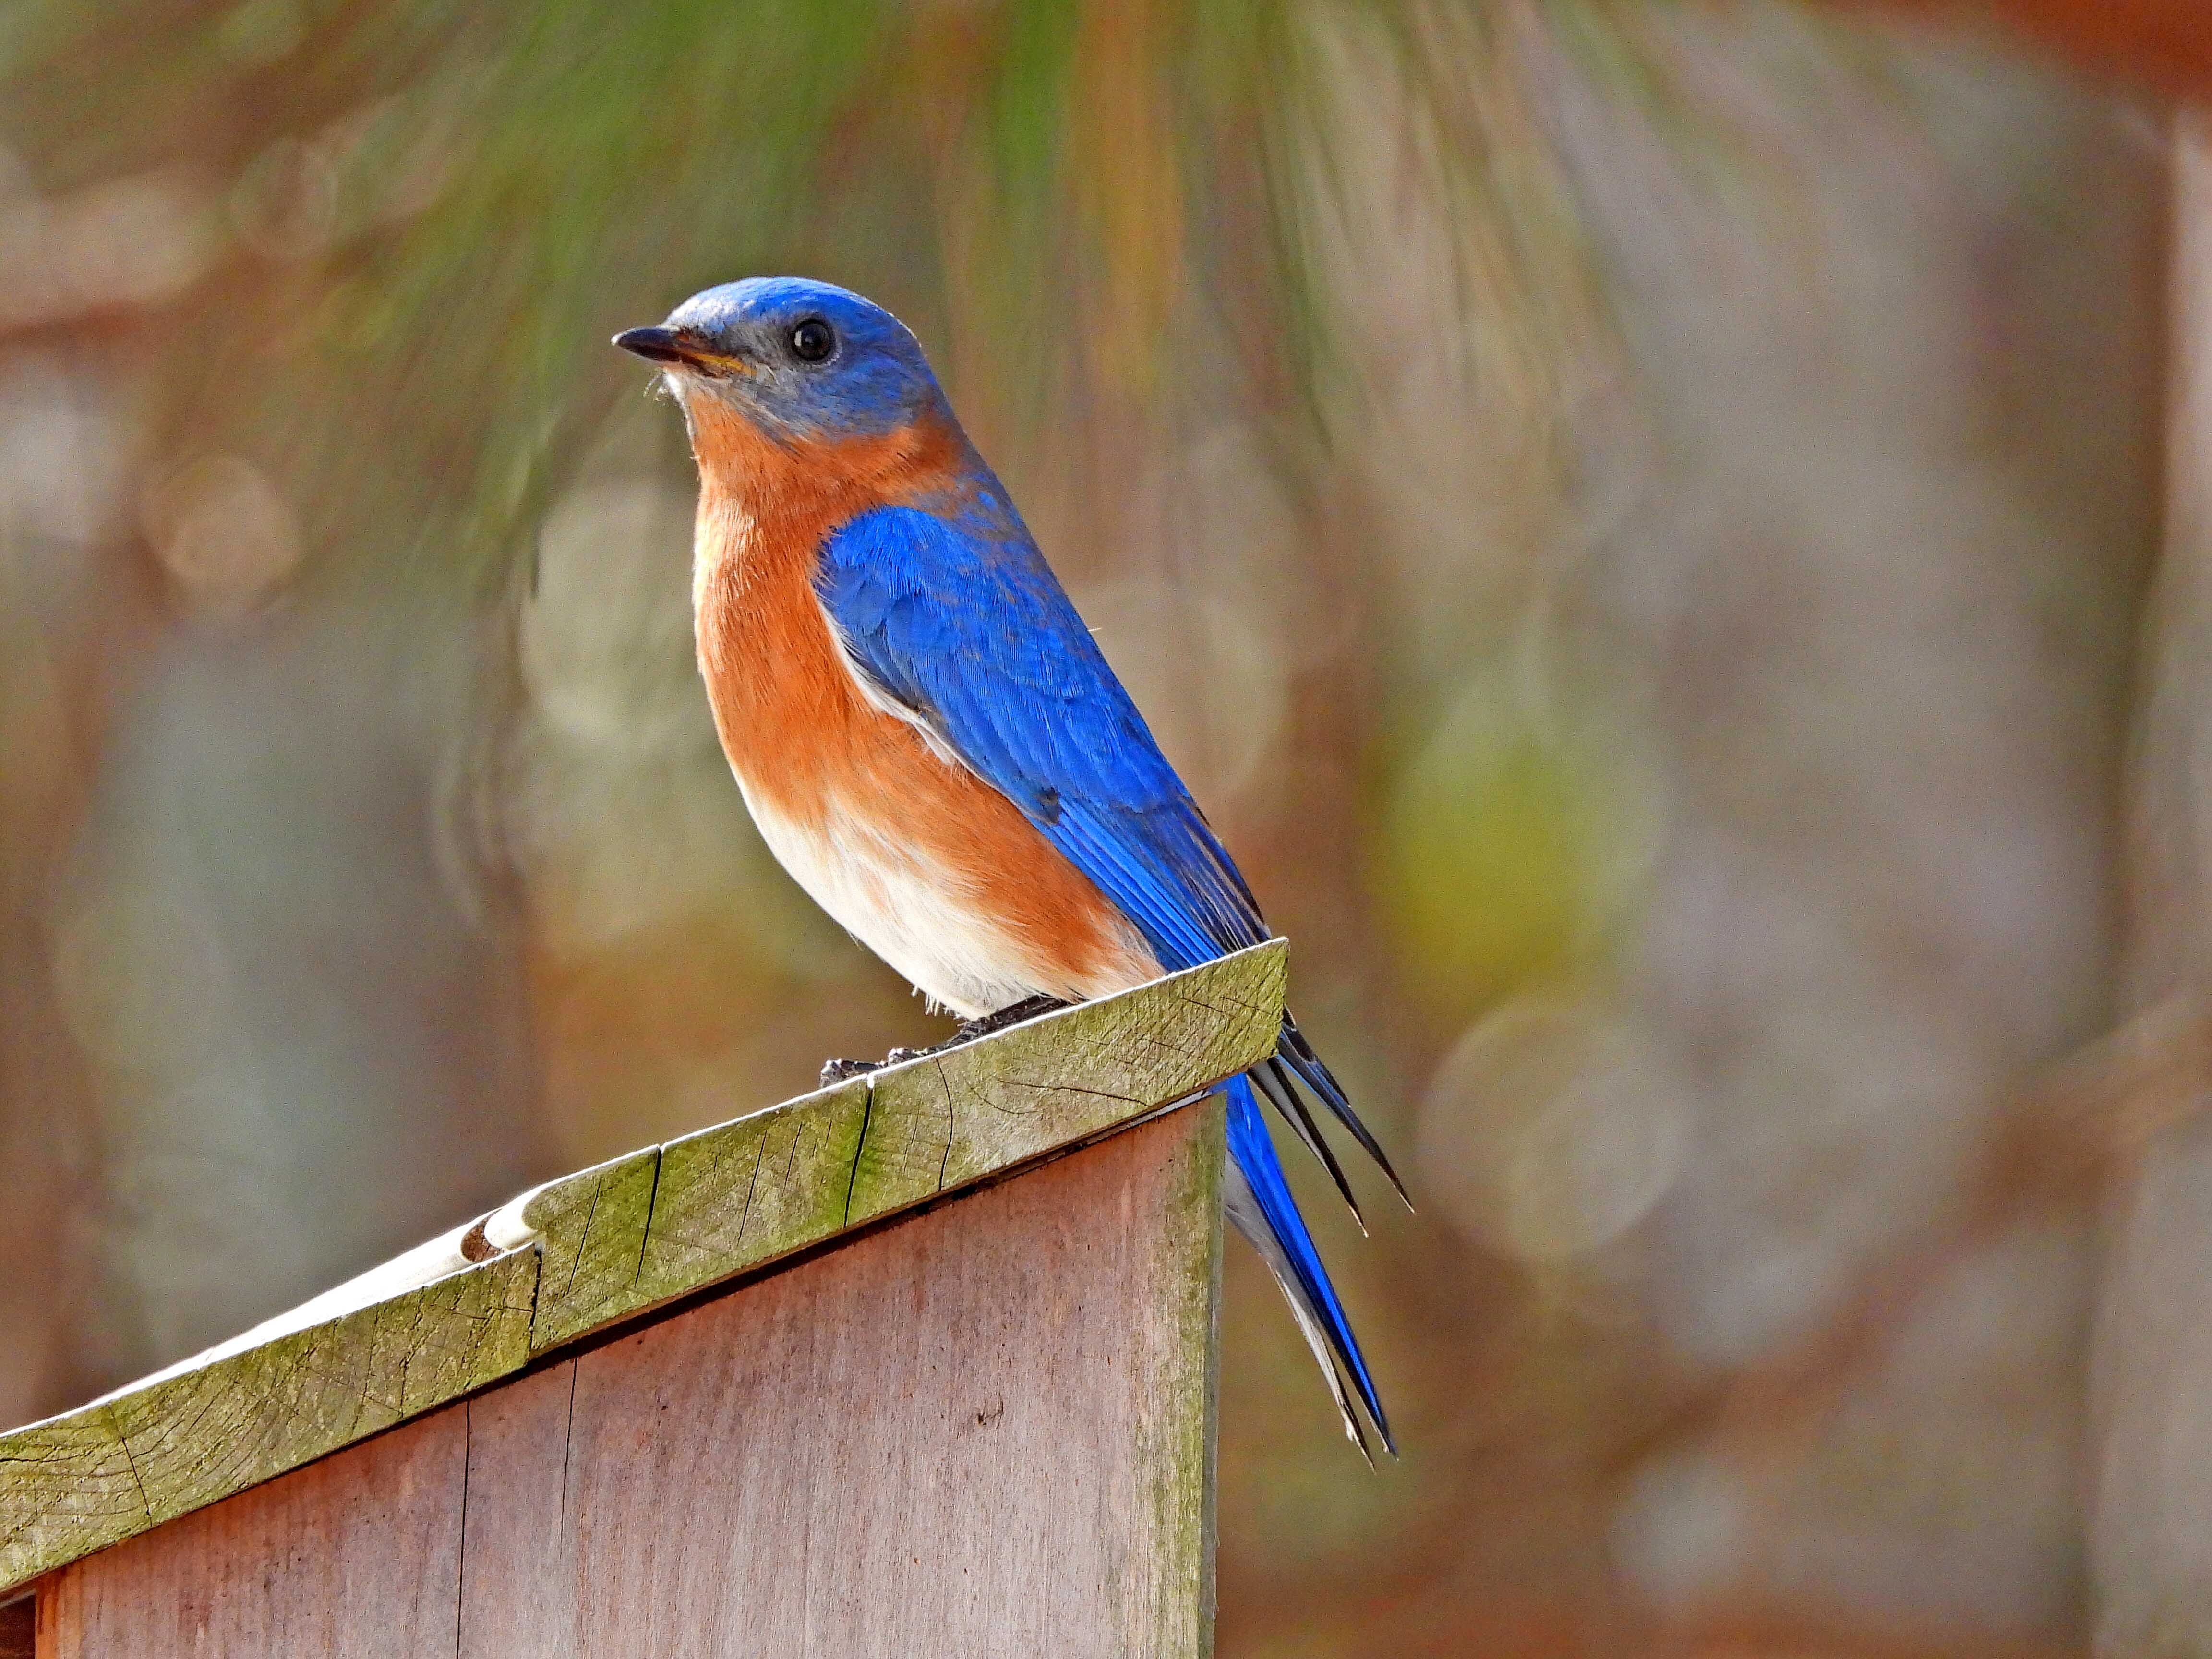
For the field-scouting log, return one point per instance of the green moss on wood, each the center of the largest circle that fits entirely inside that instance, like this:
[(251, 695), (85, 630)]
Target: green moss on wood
[(745, 1192), (590, 1227)]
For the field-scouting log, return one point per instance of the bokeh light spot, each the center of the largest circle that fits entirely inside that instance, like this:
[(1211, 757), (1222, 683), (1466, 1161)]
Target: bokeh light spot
[(1550, 1130)]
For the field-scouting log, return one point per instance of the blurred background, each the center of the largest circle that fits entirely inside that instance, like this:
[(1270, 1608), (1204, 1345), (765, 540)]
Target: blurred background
[(1672, 540)]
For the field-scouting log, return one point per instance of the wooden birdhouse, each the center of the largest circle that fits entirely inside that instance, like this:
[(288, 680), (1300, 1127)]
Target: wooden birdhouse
[(922, 1363)]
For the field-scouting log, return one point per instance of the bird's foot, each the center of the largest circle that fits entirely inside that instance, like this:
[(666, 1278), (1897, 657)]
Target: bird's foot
[(1012, 1014), (840, 1070)]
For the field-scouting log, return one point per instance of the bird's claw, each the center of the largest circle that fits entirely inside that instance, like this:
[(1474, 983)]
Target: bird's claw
[(840, 1070), (844, 1070), (1012, 1014)]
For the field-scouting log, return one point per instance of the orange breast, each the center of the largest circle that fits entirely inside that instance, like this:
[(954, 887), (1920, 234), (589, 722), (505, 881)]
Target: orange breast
[(932, 866)]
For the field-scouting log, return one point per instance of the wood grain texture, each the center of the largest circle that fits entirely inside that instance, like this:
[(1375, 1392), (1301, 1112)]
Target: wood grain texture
[(75, 1483), (519, 1590), (984, 1430), (981, 1431), (359, 1556), (621, 1238)]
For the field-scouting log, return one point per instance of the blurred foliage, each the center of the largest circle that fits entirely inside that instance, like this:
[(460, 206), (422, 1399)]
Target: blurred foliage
[(1514, 837), (1626, 514), (447, 207)]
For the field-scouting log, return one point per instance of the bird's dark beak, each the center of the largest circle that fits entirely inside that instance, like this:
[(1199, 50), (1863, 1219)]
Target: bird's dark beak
[(660, 344), (656, 344)]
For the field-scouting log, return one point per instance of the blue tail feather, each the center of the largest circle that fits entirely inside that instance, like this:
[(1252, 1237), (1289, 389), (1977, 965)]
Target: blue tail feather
[(1272, 1081), (1272, 1221), (1314, 1073)]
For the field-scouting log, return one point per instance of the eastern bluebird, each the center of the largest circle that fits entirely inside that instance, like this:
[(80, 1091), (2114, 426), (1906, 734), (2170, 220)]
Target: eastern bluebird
[(928, 736)]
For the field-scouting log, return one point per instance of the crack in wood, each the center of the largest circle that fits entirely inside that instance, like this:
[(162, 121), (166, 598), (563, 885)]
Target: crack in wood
[(645, 1232), (145, 1502), (944, 1162), (460, 1549), (760, 1153), (859, 1147)]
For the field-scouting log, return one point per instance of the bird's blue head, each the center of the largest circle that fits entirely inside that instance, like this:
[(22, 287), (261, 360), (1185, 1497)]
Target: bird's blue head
[(801, 359)]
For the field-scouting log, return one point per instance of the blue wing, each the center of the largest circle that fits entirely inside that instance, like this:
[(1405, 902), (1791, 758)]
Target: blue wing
[(959, 620), (970, 630)]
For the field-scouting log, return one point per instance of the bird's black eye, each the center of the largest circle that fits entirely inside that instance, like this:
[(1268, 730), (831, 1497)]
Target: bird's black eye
[(812, 340)]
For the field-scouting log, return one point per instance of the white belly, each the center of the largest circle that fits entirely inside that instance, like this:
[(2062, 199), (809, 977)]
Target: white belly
[(908, 910)]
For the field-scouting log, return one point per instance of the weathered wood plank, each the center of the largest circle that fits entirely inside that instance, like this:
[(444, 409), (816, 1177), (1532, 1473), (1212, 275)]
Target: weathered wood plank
[(985, 1430), (75, 1483), (358, 1556), (616, 1240), (733, 1197)]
